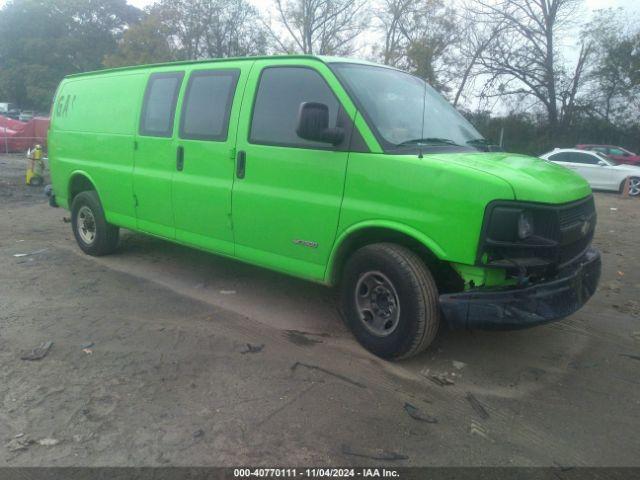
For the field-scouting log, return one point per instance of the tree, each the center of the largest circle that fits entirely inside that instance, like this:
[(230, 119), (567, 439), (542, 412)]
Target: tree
[(523, 59), (142, 44), (212, 28), (475, 37), (418, 35), (614, 81), (42, 41), (321, 27)]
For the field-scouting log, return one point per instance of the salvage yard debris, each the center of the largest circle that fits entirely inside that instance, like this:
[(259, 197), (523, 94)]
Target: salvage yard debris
[(48, 442), (31, 253), (477, 406), (416, 414), (328, 372), (301, 338), (632, 357), (18, 444), (441, 379), (477, 429), (39, 352), (458, 365), (253, 348), (21, 442)]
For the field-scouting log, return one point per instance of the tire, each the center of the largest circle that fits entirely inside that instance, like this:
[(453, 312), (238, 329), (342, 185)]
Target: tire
[(634, 186), (389, 301), (94, 235)]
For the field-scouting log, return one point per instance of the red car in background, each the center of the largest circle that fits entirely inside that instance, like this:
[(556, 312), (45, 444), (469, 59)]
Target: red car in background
[(618, 154)]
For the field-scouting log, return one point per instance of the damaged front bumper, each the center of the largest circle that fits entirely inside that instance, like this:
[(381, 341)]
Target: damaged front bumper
[(512, 308)]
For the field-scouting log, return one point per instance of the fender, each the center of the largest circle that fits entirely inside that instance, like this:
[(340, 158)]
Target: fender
[(82, 173), (386, 224)]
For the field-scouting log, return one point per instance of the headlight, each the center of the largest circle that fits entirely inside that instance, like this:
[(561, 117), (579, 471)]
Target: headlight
[(525, 225), (518, 231), (509, 224)]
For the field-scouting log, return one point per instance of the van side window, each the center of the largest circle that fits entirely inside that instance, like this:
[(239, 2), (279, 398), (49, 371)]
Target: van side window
[(207, 104), (275, 111), (159, 107)]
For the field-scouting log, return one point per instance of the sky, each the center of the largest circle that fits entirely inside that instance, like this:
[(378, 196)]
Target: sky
[(591, 4), (632, 5)]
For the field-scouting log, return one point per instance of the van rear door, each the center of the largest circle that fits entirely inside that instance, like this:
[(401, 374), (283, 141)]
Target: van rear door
[(155, 156), (203, 176)]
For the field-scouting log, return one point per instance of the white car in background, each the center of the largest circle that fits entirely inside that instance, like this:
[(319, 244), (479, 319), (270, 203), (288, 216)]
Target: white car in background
[(600, 171)]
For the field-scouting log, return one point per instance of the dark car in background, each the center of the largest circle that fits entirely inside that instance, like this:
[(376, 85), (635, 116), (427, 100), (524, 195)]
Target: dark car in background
[(619, 154)]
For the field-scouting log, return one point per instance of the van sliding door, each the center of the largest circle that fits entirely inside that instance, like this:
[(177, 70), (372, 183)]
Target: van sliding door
[(155, 155), (203, 180)]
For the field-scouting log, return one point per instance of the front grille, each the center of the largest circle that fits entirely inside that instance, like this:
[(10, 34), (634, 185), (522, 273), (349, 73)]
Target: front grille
[(572, 250), (574, 238), (576, 212)]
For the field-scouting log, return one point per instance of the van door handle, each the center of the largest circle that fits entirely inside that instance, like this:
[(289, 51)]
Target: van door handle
[(241, 163), (180, 158)]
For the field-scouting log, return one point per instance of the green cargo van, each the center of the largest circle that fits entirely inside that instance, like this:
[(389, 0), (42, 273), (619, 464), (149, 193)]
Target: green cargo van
[(341, 172)]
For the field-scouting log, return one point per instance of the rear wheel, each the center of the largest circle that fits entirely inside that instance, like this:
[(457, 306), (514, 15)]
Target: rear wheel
[(390, 300), (634, 186), (94, 235)]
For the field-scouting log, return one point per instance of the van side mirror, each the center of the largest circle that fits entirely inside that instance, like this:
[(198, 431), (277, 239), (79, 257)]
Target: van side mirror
[(602, 163), (313, 124)]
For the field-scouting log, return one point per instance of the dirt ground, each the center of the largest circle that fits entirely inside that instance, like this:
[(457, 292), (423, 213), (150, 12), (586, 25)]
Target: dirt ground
[(164, 355)]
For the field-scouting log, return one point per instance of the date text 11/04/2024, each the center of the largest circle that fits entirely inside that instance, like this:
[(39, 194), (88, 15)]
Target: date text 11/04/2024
[(315, 473)]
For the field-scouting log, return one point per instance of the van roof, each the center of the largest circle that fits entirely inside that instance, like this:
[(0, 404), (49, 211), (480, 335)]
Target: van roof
[(323, 59)]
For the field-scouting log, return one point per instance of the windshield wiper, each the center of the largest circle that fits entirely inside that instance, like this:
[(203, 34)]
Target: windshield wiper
[(484, 145), (427, 141), (479, 141)]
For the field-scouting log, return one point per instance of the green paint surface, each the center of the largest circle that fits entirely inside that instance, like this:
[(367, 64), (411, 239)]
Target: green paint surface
[(288, 194)]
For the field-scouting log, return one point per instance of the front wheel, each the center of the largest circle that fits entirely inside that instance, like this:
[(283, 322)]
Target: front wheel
[(389, 300), (94, 235)]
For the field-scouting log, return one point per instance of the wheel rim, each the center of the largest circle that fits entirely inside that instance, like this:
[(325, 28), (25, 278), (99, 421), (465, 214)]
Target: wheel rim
[(377, 303), (634, 186), (86, 225)]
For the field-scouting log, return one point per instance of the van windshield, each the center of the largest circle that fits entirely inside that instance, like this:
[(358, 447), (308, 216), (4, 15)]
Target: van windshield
[(393, 104)]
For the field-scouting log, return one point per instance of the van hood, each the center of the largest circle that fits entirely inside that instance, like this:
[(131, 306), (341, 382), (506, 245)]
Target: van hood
[(532, 179)]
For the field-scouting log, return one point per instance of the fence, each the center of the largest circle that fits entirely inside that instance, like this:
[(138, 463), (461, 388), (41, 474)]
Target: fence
[(9, 144), (16, 136)]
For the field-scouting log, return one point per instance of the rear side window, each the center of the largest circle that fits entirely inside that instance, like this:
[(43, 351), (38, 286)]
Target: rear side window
[(561, 157), (275, 112), (584, 158), (159, 107), (207, 105)]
